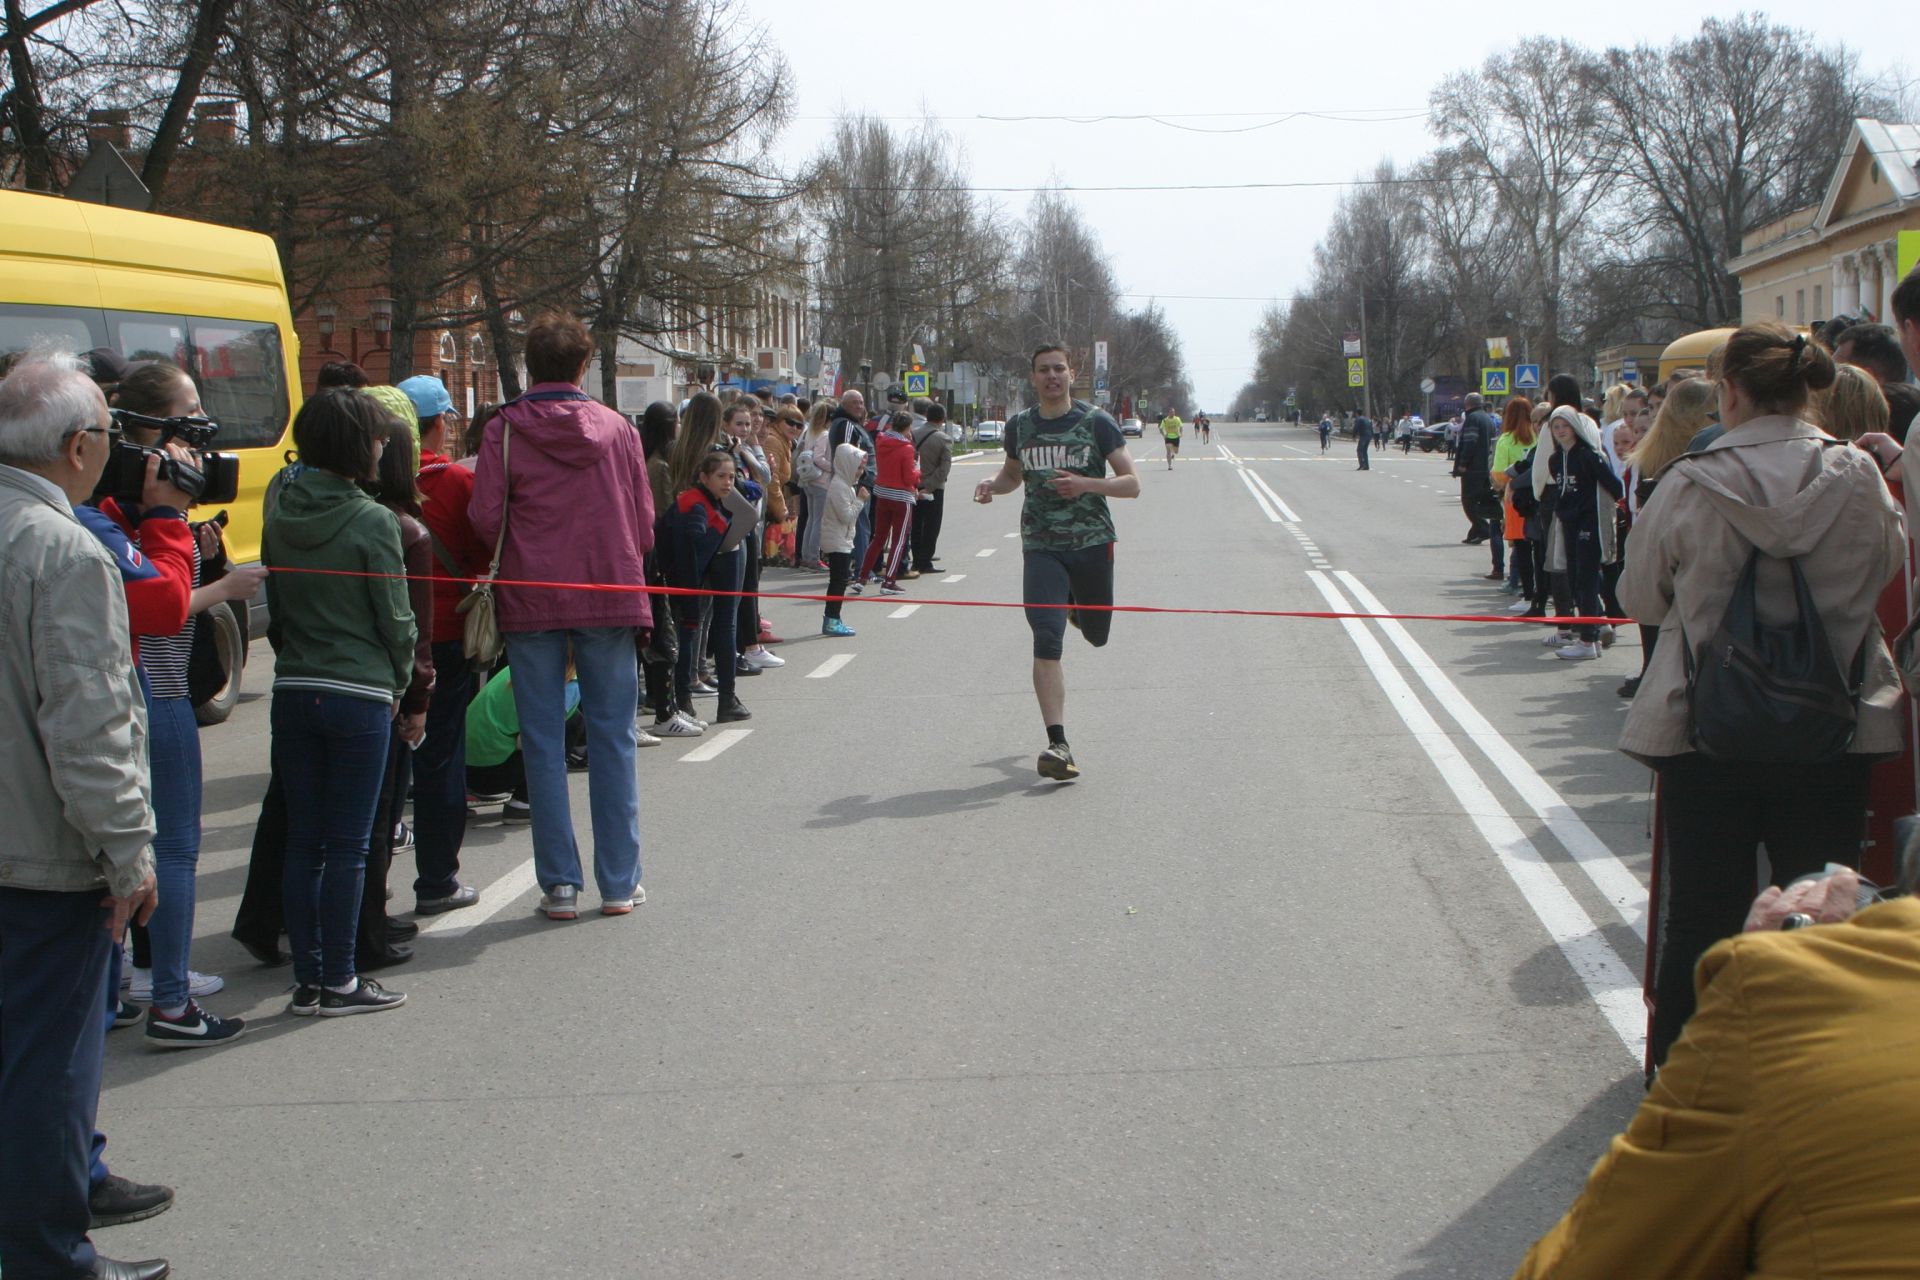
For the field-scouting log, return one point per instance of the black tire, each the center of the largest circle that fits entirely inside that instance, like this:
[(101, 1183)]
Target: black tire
[(230, 640)]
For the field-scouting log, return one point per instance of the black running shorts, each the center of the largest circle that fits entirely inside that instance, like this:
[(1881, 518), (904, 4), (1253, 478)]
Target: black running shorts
[(1084, 576)]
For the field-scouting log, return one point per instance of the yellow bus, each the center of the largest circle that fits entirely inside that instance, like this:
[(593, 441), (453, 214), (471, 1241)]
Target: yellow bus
[(1688, 354), (75, 276)]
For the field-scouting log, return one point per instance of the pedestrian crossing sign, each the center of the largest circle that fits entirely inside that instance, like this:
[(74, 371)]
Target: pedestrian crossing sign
[(1494, 382), (1526, 377), (1356, 371), (915, 382)]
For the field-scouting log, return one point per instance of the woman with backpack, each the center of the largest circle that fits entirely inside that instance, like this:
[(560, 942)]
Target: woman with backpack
[(1772, 516)]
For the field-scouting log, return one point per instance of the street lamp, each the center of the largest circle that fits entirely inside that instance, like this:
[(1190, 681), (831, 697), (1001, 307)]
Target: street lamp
[(325, 313), (380, 312)]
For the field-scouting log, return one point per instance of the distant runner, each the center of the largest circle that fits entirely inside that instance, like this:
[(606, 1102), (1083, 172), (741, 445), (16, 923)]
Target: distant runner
[(1326, 431), (1170, 428), (1204, 425), (1061, 451)]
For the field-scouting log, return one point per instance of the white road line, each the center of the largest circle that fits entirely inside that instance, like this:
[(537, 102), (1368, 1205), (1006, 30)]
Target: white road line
[(494, 899), (1267, 489), (954, 577), (1258, 497), (905, 611), (1010, 535), (983, 554), (1608, 980), (830, 666), (714, 746), (1608, 874)]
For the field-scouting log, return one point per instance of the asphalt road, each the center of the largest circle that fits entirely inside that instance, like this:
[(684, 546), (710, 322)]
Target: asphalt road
[(1325, 968)]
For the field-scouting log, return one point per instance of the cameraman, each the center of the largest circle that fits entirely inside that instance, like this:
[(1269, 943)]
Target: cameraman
[(161, 391)]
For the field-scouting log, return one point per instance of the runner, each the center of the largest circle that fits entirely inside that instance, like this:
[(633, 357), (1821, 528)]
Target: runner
[(1204, 425), (1326, 431), (1170, 428), (1061, 452)]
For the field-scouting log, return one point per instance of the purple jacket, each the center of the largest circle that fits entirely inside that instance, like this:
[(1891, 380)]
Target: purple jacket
[(581, 511)]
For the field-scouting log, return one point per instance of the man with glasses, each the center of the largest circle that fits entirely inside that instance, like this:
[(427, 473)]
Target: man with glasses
[(75, 867)]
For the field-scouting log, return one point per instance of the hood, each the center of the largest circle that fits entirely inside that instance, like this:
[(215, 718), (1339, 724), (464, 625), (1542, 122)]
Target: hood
[(1791, 528), (314, 510), (1586, 428), (848, 463), (574, 433)]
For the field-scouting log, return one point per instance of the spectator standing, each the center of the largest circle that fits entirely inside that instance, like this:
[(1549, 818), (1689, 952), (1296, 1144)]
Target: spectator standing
[(813, 463), (1472, 464), (1773, 484), (659, 657), (1682, 415), (700, 524), (565, 477), (839, 520), (75, 864), (1583, 536), (1516, 439), (934, 448), (893, 502), (849, 426), (1853, 406), (1363, 439)]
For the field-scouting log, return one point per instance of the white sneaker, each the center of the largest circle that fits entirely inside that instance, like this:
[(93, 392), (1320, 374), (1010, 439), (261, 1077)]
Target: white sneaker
[(1557, 639), (1606, 637), (676, 725), (759, 657), (1520, 607), (621, 906), (644, 739), (1578, 651), (695, 721), (140, 988)]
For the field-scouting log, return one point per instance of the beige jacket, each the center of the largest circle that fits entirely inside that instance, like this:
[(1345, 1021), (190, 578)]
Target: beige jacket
[(1769, 483), (73, 728)]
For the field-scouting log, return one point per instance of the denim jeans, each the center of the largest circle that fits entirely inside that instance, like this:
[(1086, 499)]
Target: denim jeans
[(330, 752), (54, 951), (723, 630), (173, 744), (862, 533), (440, 775), (605, 660)]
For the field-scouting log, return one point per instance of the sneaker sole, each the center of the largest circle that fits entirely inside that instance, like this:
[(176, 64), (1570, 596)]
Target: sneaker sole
[(441, 908), (1058, 770), (168, 1042), (98, 1221), (303, 1011), (349, 1010)]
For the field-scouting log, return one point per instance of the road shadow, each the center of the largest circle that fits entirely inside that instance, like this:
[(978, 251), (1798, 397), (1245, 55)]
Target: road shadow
[(1016, 778), (1493, 1236)]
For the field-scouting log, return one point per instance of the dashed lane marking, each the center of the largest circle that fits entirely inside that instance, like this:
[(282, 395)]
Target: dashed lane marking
[(905, 611), (830, 666), (954, 577), (494, 899), (714, 746), (983, 554)]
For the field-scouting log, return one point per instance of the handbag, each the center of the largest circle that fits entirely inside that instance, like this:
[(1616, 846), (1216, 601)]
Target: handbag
[(481, 638)]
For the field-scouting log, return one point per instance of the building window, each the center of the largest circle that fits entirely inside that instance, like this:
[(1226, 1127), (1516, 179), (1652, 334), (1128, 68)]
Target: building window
[(1780, 306), (1819, 305), (1799, 306)]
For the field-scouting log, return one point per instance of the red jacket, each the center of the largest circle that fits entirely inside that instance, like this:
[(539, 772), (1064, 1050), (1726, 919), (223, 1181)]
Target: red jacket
[(898, 463), (446, 489), (158, 606)]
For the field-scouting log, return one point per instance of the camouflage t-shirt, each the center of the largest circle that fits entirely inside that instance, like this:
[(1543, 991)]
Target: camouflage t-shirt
[(1077, 441)]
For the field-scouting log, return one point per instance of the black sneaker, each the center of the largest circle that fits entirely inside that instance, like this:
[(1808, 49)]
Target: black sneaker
[(516, 811), (367, 997), (732, 710), (306, 1000), (117, 1200), (126, 1014), (463, 895), (194, 1028), (1056, 762)]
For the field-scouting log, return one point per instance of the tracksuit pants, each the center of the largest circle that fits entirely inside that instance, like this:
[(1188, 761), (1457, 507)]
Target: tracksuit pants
[(892, 524)]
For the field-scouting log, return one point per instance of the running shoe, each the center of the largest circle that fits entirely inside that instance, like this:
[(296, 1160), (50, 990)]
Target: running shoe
[(695, 720), (855, 588), (1579, 651), (1606, 637), (892, 589), (1056, 762), (643, 738), (759, 657), (622, 906), (675, 726), (835, 627), (1557, 640), (367, 996), (194, 1028), (516, 811), (562, 902), (1521, 607)]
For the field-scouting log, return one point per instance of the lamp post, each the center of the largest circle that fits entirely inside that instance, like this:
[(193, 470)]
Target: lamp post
[(380, 314), (325, 314)]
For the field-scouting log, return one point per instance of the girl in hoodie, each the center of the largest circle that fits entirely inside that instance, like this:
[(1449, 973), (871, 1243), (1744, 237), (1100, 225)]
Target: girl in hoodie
[(1585, 491), (699, 525), (839, 520), (893, 499), (343, 655)]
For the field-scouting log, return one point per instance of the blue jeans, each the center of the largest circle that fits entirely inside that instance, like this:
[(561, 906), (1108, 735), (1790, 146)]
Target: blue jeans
[(330, 751), (862, 535), (173, 745), (608, 668), (54, 951), (440, 775)]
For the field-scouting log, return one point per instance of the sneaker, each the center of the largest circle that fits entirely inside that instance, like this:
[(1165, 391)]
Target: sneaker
[(835, 627), (194, 1028), (855, 588), (463, 895), (621, 906), (1520, 607), (402, 837), (1629, 687), (643, 738), (696, 721), (305, 1002), (731, 711), (911, 574), (477, 802), (516, 811), (115, 1200), (892, 589), (759, 657), (676, 726), (367, 996), (741, 667), (140, 986), (1056, 762), (1606, 637), (1558, 639), (1579, 651), (562, 902), (126, 1013)]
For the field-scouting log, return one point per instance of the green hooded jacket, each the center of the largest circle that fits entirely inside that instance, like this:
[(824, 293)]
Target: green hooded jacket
[(345, 635)]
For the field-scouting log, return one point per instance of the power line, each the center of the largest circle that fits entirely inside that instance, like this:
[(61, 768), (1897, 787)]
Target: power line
[(961, 190), (1356, 115)]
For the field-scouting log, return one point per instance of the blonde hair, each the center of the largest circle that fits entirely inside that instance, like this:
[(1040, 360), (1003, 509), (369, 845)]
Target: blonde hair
[(1682, 416), (1852, 406), (1615, 401), (820, 417)]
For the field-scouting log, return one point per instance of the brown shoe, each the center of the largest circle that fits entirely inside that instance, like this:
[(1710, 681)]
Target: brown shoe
[(911, 573)]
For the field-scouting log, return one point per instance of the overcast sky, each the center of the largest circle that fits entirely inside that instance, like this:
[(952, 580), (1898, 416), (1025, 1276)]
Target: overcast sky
[(1130, 57)]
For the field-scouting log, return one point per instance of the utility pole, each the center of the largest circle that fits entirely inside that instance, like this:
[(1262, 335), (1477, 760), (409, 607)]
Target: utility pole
[(1366, 392)]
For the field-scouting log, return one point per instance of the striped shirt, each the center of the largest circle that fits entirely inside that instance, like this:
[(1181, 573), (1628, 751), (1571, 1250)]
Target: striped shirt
[(165, 658)]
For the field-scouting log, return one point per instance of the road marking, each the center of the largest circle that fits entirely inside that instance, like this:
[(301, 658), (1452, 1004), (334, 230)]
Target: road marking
[(905, 611), (1267, 489), (714, 746), (494, 899), (1608, 874), (1608, 980), (830, 666), (1258, 497), (1011, 535), (981, 555), (954, 577)]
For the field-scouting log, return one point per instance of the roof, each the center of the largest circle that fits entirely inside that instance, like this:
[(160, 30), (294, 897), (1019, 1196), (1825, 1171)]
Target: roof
[(1894, 147)]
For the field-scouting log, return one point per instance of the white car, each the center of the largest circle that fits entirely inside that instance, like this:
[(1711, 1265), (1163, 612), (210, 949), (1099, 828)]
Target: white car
[(988, 432), (1132, 427)]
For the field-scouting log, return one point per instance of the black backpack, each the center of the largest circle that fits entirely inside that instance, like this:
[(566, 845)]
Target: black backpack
[(1771, 694)]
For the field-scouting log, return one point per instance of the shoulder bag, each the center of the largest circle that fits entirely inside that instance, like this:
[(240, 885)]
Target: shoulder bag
[(482, 639)]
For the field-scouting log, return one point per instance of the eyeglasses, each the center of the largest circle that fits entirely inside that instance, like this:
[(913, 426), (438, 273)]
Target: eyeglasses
[(111, 433)]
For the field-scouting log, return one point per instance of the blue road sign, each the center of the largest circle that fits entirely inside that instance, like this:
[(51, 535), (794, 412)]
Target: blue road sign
[(1526, 377)]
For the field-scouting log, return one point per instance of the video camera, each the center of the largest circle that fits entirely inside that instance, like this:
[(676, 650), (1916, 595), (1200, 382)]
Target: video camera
[(216, 479)]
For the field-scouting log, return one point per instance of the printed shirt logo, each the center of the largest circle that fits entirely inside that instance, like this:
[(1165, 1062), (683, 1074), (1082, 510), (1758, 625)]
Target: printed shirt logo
[(1048, 521)]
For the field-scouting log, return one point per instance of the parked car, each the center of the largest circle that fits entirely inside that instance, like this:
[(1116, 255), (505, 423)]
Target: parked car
[(1132, 427), (988, 432), (1429, 436)]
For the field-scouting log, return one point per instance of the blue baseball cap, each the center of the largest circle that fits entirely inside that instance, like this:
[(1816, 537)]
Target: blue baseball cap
[(429, 395)]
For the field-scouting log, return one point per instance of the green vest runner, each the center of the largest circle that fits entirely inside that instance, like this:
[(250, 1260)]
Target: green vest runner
[(1049, 522)]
